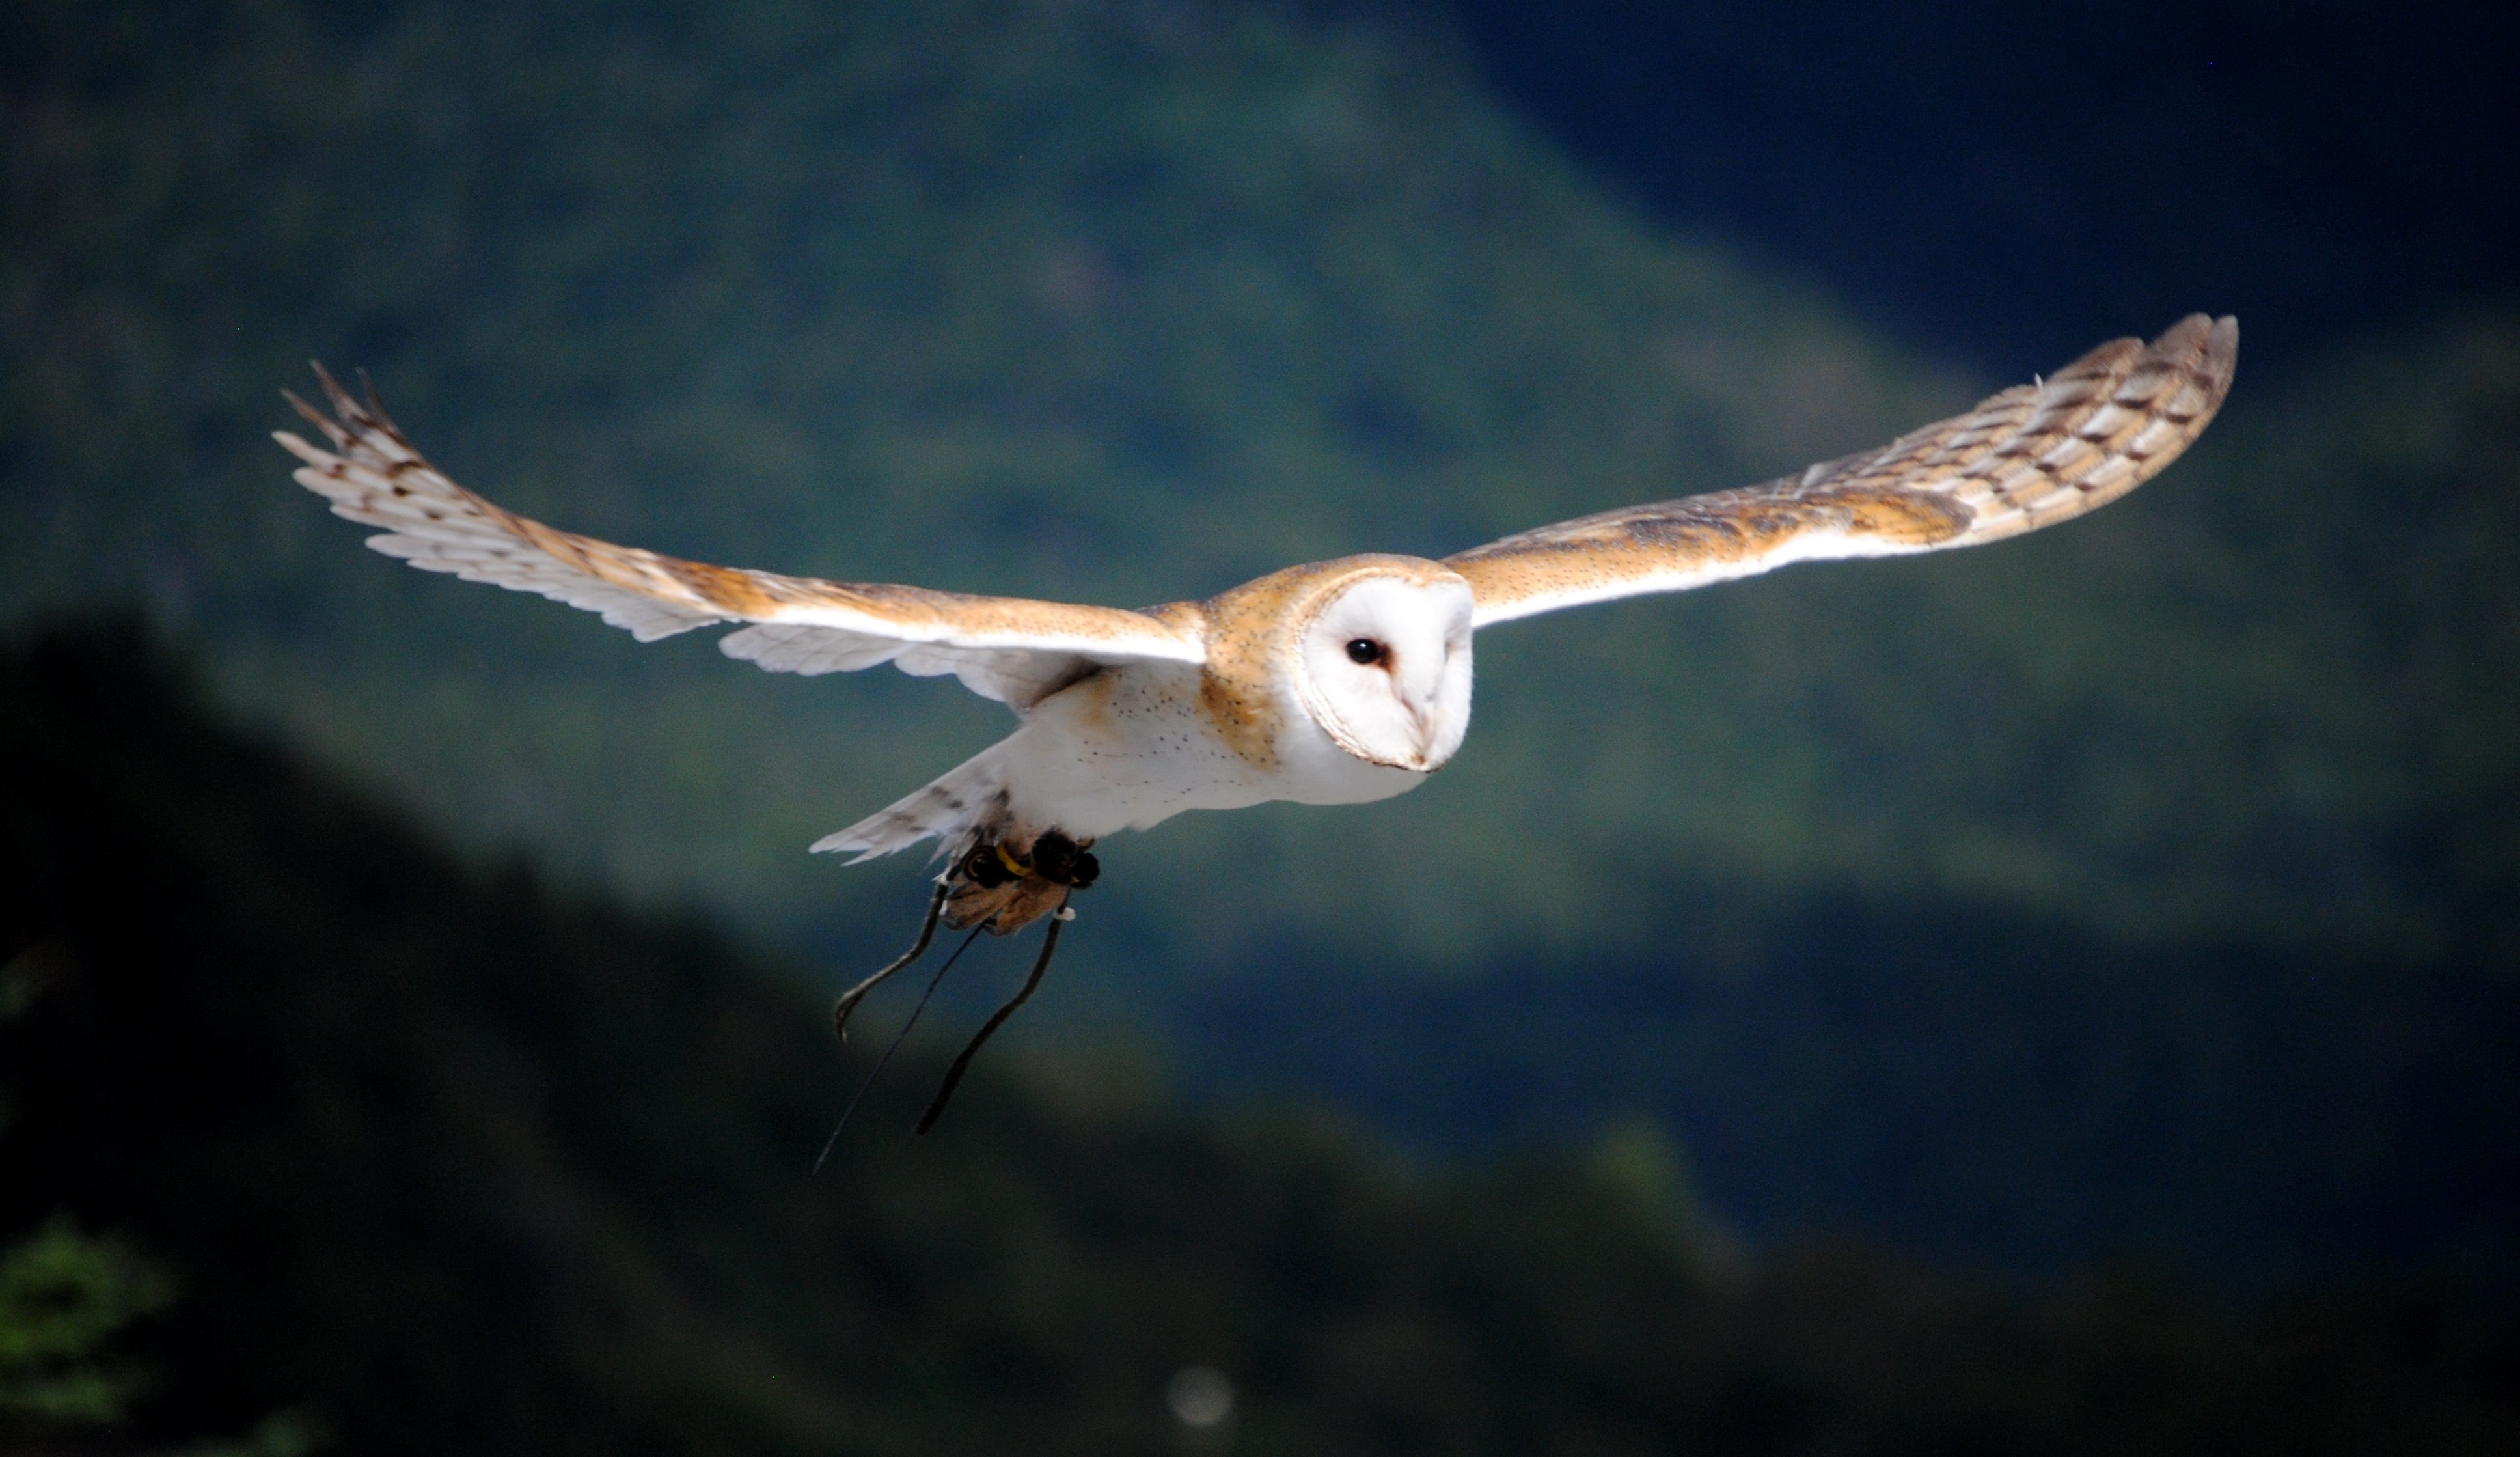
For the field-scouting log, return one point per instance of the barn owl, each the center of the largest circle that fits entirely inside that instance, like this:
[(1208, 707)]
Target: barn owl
[(1337, 682)]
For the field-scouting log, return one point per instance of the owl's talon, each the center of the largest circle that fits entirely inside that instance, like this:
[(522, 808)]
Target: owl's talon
[(1057, 858)]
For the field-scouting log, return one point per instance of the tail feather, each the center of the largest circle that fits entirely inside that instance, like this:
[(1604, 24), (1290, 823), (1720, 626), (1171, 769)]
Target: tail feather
[(968, 797)]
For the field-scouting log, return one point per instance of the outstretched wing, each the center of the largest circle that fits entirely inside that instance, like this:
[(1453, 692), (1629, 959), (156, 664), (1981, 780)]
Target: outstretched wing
[(1003, 647), (2029, 457)]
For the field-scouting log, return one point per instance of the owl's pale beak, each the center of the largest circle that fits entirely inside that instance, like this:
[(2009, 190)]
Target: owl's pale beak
[(1421, 717)]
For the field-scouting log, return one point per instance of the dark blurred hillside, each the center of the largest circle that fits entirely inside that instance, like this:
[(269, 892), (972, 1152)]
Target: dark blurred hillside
[(2002, 182), (440, 1160), (1968, 1086), (1125, 302)]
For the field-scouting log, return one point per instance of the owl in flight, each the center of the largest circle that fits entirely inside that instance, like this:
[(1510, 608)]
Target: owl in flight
[(1333, 683)]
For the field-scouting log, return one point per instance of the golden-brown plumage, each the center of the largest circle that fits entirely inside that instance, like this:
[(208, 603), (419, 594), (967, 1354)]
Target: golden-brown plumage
[(2029, 457)]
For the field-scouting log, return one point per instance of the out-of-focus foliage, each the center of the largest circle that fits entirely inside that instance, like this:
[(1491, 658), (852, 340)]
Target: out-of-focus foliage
[(70, 1301), (1124, 303), (462, 1164), (63, 1297)]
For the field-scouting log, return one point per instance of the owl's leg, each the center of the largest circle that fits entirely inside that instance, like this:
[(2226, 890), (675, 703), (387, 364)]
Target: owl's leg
[(954, 1074), (849, 999)]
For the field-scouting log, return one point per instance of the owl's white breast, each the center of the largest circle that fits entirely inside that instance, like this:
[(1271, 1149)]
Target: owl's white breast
[(1135, 744)]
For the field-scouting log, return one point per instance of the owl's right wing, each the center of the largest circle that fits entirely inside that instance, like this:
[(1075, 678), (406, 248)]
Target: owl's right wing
[(2029, 457), (1006, 648)]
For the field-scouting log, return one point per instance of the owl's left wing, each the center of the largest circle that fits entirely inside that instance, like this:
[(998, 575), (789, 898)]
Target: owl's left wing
[(1006, 648), (2029, 457)]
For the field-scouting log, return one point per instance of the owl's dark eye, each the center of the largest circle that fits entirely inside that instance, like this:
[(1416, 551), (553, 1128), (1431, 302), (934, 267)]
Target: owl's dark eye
[(1365, 650)]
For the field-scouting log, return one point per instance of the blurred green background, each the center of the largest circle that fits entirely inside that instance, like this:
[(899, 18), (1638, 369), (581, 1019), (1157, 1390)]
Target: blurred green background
[(2144, 891)]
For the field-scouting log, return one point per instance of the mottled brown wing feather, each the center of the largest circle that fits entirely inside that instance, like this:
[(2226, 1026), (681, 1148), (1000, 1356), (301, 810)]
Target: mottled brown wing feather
[(2029, 457), (1005, 648)]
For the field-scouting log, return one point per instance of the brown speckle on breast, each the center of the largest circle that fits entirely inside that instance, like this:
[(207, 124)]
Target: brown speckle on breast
[(1246, 720)]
